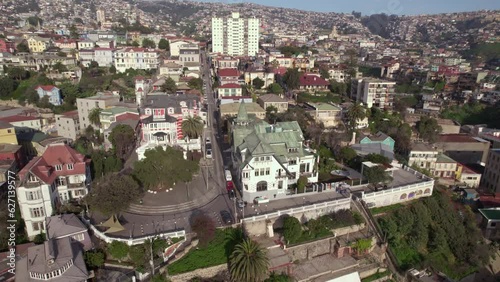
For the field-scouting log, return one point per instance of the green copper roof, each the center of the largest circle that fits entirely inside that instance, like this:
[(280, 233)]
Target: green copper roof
[(491, 213), (242, 114)]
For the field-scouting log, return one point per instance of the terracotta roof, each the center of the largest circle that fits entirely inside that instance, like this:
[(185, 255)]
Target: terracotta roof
[(457, 138), (228, 72), (46, 87), (127, 116), (17, 118), (313, 80), (56, 154), (230, 85), (71, 113), (280, 70)]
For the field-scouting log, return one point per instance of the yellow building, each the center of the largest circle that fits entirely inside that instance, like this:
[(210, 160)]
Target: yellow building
[(38, 44), (7, 133)]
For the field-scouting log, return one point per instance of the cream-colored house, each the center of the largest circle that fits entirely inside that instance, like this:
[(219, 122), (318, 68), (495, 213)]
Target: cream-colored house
[(330, 115), (37, 44), (274, 100)]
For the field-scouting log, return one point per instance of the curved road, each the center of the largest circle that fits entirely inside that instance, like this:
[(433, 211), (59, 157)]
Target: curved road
[(142, 220)]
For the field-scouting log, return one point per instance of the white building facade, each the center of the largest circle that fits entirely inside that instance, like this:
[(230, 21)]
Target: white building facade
[(269, 159), (136, 58), (58, 176), (235, 36), (373, 93)]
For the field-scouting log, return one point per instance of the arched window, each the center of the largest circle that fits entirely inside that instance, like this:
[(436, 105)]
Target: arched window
[(403, 197), (427, 191), (262, 186)]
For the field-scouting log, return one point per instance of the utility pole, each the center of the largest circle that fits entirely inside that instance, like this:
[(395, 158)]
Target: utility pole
[(152, 261)]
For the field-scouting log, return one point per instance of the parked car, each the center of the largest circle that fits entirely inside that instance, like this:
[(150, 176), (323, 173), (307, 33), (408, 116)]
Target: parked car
[(207, 140), (231, 194), (241, 204), (226, 217), (228, 175), (229, 185), (209, 153)]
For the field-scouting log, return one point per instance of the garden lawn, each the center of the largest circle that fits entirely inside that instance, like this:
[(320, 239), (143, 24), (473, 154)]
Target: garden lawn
[(385, 209), (213, 254), (319, 98)]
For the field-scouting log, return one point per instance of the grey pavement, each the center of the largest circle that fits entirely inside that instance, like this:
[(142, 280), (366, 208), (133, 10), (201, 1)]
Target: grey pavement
[(169, 211)]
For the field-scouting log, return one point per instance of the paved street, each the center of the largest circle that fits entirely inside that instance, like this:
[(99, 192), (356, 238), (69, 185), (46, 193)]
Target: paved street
[(169, 211)]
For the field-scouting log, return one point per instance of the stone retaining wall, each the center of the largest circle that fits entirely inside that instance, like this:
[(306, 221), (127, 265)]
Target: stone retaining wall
[(208, 272)]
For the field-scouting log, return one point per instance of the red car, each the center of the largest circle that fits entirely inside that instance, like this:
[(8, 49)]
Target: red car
[(229, 185)]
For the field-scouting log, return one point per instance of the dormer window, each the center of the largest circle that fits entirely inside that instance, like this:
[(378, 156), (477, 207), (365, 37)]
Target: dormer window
[(293, 150), (70, 166), (32, 178), (58, 167), (170, 110)]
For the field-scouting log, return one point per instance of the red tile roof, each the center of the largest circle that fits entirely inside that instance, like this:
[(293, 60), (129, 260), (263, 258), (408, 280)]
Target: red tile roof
[(312, 80), (56, 154), (71, 113), (46, 87), (280, 70), (457, 138), (230, 85), (228, 72), (127, 116), (17, 118)]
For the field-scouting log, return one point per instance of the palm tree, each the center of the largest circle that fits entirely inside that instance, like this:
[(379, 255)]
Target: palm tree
[(192, 127), (95, 116), (249, 262), (355, 113)]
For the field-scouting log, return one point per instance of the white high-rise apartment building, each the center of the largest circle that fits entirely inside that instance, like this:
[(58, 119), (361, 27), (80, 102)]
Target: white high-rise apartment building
[(235, 36)]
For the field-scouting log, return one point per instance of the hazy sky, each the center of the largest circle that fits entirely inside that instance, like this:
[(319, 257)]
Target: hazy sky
[(400, 7)]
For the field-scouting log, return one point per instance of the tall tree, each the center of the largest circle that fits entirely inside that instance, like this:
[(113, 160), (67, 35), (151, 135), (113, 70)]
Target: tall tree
[(122, 138), (275, 88), (376, 175), (192, 127), (355, 113), (73, 32), (169, 86), (164, 45), (196, 83), (258, 83), (113, 194), (22, 47), (148, 43), (292, 229), (292, 78), (428, 129), (248, 262), (17, 73), (6, 87), (204, 227), (323, 71), (119, 250), (95, 116), (162, 168)]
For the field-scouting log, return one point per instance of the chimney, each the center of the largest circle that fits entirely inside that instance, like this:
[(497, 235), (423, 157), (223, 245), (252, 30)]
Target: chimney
[(353, 140)]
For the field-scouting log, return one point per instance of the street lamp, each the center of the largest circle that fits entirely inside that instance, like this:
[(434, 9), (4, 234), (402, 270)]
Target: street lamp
[(175, 223)]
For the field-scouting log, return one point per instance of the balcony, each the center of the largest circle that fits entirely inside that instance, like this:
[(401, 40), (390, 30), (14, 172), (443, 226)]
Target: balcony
[(76, 185), (32, 184)]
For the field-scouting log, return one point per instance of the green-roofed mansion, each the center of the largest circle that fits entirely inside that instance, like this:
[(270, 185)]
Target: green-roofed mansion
[(269, 159)]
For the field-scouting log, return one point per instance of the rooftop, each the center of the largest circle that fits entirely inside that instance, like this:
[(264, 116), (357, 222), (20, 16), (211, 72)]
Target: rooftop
[(18, 118), (442, 158), (51, 256), (459, 138), (491, 213), (234, 108), (273, 98), (228, 72), (324, 106), (422, 147), (230, 85), (63, 225)]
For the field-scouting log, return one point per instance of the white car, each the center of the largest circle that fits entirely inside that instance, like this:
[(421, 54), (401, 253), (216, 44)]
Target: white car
[(209, 153), (228, 175), (207, 140)]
